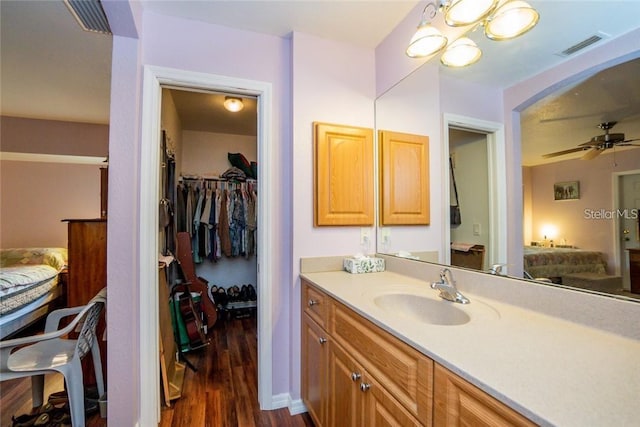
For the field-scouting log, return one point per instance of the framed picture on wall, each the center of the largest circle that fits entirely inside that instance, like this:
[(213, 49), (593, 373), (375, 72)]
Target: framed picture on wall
[(569, 190)]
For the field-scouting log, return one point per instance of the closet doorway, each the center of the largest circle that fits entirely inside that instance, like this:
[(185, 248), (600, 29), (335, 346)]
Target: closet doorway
[(155, 80), (208, 222)]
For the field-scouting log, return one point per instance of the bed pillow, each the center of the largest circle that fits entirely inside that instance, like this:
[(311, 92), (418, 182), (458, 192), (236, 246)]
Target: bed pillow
[(54, 257)]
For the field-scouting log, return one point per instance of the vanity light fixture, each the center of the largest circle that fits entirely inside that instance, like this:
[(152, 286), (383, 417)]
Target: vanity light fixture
[(461, 53), (511, 19), (233, 104), (427, 40), (458, 13), (502, 20)]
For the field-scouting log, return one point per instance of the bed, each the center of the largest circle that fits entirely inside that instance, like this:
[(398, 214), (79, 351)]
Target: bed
[(542, 262), (30, 285)]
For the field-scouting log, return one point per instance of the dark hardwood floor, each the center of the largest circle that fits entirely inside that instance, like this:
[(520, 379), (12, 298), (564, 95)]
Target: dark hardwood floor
[(222, 393)]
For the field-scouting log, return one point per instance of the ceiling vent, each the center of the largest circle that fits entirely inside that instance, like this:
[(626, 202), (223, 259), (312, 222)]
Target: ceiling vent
[(583, 44), (90, 15)]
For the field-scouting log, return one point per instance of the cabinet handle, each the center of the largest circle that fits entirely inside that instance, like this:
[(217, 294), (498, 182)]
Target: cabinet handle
[(312, 303), (322, 340), (365, 386), (355, 376)]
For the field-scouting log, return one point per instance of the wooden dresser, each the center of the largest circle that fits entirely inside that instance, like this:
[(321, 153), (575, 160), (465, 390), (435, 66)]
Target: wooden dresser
[(634, 270), (87, 275)]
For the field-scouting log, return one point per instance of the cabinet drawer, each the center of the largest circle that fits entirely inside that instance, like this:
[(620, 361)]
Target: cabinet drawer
[(405, 372), (315, 304)]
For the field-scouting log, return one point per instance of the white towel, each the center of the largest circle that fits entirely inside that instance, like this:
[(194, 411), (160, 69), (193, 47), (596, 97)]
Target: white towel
[(463, 247)]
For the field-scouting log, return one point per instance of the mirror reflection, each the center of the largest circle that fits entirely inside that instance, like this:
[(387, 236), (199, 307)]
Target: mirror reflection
[(580, 172), (581, 182)]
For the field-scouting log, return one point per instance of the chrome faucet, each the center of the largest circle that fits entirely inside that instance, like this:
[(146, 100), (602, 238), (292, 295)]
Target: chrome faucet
[(447, 288), (497, 269)]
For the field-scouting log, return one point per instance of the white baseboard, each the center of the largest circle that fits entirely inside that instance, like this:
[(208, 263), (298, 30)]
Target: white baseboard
[(280, 400), (297, 407), (284, 401)]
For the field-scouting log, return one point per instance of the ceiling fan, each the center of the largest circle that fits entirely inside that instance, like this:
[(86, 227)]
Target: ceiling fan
[(598, 144)]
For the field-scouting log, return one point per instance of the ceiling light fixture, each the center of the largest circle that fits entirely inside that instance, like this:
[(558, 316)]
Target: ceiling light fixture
[(502, 20), (233, 104)]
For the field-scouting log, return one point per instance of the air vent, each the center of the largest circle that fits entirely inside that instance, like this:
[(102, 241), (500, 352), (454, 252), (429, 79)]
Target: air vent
[(583, 44), (90, 15)]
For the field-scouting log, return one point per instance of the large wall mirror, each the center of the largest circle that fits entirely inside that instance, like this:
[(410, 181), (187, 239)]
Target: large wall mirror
[(580, 171)]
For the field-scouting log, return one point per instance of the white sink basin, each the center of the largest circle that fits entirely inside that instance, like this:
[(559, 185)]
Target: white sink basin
[(419, 308)]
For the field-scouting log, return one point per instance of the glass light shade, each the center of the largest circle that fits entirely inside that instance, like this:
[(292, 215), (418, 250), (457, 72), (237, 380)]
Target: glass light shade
[(466, 12), (233, 104), (510, 20), (426, 41), (461, 53)]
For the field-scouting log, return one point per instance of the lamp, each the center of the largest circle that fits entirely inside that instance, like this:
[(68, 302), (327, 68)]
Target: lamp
[(458, 13), (511, 19), (427, 40), (502, 20), (233, 104), (461, 53)]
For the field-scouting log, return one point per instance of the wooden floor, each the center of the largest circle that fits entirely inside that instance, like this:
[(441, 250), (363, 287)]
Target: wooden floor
[(223, 392)]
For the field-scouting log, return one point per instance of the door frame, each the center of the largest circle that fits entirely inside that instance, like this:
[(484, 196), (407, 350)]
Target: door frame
[(618, 255), (497, 185), (153, 80)]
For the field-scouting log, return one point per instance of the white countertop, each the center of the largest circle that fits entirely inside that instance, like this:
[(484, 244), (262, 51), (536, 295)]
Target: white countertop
[(553, 371)]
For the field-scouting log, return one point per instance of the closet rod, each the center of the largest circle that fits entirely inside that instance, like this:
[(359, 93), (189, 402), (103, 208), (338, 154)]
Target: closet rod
[(216, 179)]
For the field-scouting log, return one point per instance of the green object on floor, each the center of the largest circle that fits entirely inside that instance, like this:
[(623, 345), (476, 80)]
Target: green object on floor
[(178, 322)]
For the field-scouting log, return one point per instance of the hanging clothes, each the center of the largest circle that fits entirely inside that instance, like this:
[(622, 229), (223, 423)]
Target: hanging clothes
[(220, 216), (223, 225)]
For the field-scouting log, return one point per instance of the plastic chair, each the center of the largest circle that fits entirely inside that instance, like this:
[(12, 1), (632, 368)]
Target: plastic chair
[(53, 351)]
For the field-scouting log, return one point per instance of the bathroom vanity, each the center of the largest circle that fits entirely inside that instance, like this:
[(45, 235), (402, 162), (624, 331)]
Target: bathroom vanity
[(384, 349)]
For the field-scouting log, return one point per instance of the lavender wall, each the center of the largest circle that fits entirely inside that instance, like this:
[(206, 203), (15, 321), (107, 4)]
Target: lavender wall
[(333, 83)]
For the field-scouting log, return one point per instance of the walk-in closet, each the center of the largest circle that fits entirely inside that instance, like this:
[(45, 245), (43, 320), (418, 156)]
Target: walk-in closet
[(208, 232)]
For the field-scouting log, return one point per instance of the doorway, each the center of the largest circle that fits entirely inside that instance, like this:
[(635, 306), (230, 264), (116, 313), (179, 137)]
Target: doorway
[(468, 166), (154, 79), (627, 223), (496, 186)]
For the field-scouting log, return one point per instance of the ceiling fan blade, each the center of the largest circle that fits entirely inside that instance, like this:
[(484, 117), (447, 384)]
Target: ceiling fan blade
[(563, 152), (588, 144), (630, 140), (559, 119), (592, 154)]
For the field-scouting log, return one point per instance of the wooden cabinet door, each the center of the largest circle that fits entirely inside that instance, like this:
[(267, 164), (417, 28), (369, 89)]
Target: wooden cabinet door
[(343, 187), (314, 370), (459, 403), (382, 410), (404, 178), (345, 397)]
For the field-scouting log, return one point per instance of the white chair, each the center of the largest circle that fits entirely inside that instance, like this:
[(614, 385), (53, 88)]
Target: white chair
[(53, 352)]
